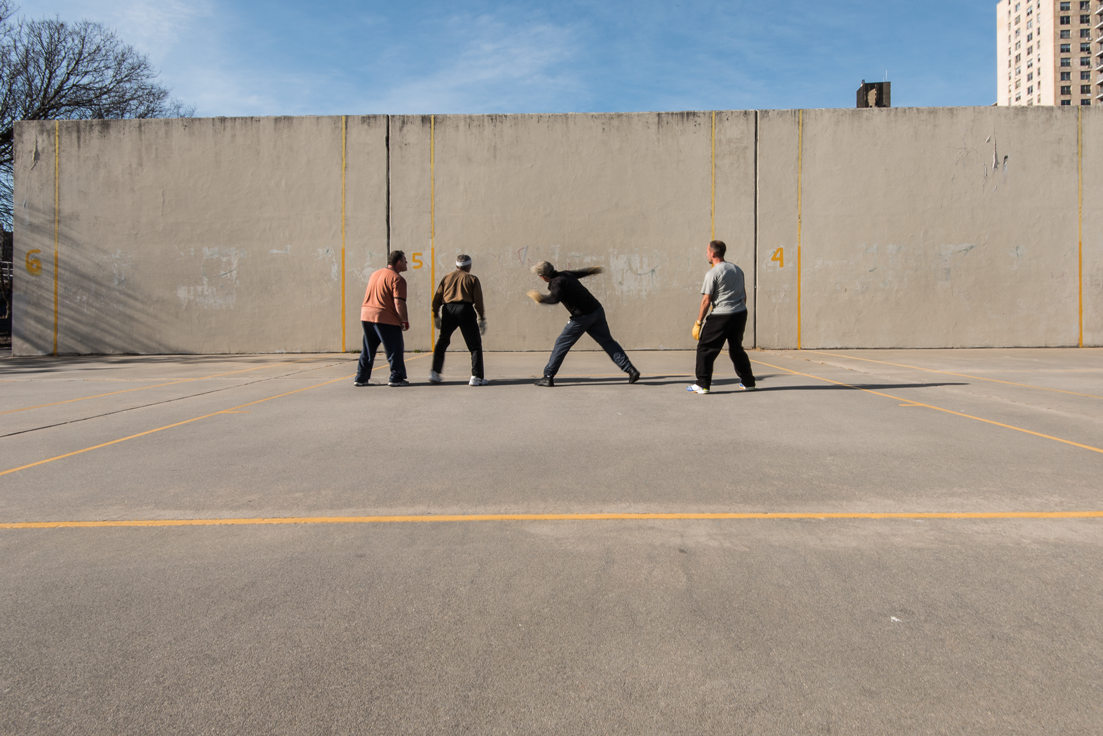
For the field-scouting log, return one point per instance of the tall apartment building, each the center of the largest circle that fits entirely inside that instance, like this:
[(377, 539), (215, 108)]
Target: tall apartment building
[(1049, 52)]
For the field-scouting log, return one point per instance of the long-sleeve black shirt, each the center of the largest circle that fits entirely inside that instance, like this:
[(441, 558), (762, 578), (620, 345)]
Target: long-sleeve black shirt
[(565, 288)]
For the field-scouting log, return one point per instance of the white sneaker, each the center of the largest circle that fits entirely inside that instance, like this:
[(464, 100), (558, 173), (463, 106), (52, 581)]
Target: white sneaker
[(697, 389), (476, 381), (434, 377), (741, 387)]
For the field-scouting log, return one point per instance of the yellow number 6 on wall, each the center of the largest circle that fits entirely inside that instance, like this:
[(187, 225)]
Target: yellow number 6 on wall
[(34, 266)]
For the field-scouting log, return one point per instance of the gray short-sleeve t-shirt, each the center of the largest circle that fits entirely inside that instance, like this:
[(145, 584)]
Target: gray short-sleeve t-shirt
[(724, 283)]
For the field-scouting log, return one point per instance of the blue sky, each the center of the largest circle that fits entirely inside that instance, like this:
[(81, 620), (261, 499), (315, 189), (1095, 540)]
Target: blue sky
[(236, 57)]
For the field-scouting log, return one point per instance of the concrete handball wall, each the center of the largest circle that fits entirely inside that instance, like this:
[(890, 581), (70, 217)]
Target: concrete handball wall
[(630, 193), (196, 236), (935, 227), (932, 227)]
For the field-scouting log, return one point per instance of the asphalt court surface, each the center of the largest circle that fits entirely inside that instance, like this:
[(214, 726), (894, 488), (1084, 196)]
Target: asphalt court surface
[(872, 542)]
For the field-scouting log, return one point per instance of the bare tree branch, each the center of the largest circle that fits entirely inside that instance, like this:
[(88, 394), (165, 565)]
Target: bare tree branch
[(53, 70)]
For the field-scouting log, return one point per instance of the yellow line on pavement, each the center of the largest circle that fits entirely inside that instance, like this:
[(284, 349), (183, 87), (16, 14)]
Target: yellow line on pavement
[(158, 385), (425, 518), (951, 373), (231, 410), (169, 426), (936, 408)]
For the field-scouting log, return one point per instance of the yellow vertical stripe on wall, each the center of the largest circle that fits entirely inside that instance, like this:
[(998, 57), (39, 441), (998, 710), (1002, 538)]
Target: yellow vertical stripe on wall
[(800, 218), (432, 224), (57, 216), (1080, 218), (344, 144), (713, 206)]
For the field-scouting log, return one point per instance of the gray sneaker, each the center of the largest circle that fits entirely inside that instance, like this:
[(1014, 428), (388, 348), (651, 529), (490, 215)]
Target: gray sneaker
[(400, 382)]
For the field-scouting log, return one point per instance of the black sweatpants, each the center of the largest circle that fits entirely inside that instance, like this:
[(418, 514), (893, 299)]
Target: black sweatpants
[(459, 315), (718, 329)]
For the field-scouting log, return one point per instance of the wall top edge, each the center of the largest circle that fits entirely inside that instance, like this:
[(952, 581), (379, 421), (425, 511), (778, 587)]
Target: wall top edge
[(888, 111)]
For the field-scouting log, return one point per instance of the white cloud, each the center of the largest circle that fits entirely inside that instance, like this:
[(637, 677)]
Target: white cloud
[(497, 67), (158, 26), (154, 27)]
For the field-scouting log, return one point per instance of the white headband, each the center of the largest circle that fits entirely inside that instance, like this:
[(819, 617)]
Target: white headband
[(464, 262)]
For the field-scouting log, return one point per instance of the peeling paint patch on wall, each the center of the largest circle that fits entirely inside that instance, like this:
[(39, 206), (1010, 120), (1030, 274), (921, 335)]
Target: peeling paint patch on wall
[(120, 264), (334, 267), (219, 279), (634, 275), (949, 256)]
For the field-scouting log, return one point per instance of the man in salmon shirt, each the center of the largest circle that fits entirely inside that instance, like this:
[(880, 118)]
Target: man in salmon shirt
[(384, 318)]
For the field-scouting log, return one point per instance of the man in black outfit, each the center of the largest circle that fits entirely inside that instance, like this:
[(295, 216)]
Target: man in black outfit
[(587, 317), (458, 304)]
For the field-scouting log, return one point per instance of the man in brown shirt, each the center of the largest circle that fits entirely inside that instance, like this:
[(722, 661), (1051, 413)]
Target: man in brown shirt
[(458, 300), (384, 318)]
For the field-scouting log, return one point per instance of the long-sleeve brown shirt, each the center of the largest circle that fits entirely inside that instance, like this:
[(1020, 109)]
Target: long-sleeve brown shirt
[(459, 286)]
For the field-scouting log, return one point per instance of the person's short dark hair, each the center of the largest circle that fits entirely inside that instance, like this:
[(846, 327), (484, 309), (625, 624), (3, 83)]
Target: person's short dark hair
[(718, 247), (394, 257)]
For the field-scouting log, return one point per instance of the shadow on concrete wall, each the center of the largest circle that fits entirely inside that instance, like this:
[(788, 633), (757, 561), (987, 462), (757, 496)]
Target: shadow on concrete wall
[(86, 292)]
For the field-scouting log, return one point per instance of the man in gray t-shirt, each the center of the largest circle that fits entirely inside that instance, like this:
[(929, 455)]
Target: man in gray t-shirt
[(725, 292), (724, 287)]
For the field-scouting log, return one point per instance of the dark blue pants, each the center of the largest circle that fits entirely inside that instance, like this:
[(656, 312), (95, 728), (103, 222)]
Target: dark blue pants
[(594, 325), (391, 338), (459, 315)]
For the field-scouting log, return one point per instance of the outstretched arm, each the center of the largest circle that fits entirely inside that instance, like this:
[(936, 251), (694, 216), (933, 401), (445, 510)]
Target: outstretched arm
[(584, 272), (539, 298)]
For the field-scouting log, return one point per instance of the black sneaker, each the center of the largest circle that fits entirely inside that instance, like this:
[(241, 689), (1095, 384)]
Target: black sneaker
[(360, 383), (400, 382), (633, 375), (545, 381)]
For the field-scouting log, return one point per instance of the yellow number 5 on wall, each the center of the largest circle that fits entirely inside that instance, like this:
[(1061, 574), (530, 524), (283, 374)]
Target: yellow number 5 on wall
[(415, 258)]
